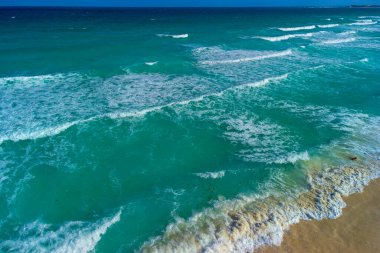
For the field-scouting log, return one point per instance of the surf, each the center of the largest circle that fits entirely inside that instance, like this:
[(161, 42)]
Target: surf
[(289, 29)]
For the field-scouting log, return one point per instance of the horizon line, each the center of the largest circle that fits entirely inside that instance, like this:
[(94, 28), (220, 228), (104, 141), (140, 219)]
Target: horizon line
[(179, 7)]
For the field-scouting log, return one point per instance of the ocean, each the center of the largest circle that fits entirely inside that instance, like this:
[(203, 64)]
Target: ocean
[(182, 130)]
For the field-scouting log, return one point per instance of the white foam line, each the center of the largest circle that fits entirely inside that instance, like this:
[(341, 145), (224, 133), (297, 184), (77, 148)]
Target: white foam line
[(88, 242), (338, 41), (174, 36), (51, 131), (294, 157), (285, 37), (249, 59), (328, 26), (310, 27), (364, 22), (151, 63), (264, 82), (73, 236), (213, 175)]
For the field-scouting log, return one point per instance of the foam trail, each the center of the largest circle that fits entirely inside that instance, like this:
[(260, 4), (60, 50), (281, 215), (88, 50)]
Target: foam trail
[(51, 131), (249, 59), (39, 133), (151, 63), (74, 236), (294, 157), (213, 175), (27, 81), (364, 22), (285, 37), (310, 27), (88, 242), (328, 26), (338, 41), (264, 82), (250, 222), (174, 36)]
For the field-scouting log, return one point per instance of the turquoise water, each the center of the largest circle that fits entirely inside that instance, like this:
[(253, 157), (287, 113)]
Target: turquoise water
[(182, 130)]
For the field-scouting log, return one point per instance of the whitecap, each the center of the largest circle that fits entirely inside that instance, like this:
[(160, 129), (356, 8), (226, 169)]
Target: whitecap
[(52, 131), (294, 157), (264, 81), (213, 175), (151, 63), (328, 26), (310, 27), (29, 81), (364, 22), (338, 41), (174, 36), (73, 236), (19, 136), (285, 37), (347, 33), (249, 59), (249, 222)]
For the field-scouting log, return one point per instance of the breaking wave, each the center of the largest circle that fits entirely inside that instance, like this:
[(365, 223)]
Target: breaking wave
[(328, 26), (364, 22), (285, 37), (249, 59), (294, 157), (310, 27), (51, 131), (338, 41), (249, 222), (213, 175), (151, 63), (29, 81), (174, 36), (74, 236)]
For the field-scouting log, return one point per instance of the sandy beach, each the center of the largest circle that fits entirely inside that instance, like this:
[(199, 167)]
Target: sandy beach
[(356, 231)]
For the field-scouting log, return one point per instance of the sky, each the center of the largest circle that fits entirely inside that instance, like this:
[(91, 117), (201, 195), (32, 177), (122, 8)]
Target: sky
[(184, 3)]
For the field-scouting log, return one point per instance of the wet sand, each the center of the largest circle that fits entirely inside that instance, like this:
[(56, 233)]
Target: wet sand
[(356, 231)]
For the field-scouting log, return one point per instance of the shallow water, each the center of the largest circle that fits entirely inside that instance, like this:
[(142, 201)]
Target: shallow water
[(182, 130)]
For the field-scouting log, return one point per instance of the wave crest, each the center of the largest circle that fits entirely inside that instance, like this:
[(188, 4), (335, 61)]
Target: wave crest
[(249, 59), (74, 236), (285, 37), (174, 36), (289, 29)]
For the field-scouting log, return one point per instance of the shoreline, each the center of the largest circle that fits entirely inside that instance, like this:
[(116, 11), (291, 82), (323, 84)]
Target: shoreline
[(356, 230)]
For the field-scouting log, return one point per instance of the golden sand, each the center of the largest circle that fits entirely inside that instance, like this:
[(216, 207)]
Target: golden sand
[(356, 231)]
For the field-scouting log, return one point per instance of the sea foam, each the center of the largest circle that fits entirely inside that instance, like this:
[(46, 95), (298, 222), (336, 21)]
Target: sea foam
[(249, 59), (213, 175), (338, 41), (174, 36), (252, 221), (74, 236), (151, 63), (285, 37), (54, 130), (245, 224), (328, 26), (364, 22), (310, 27)]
